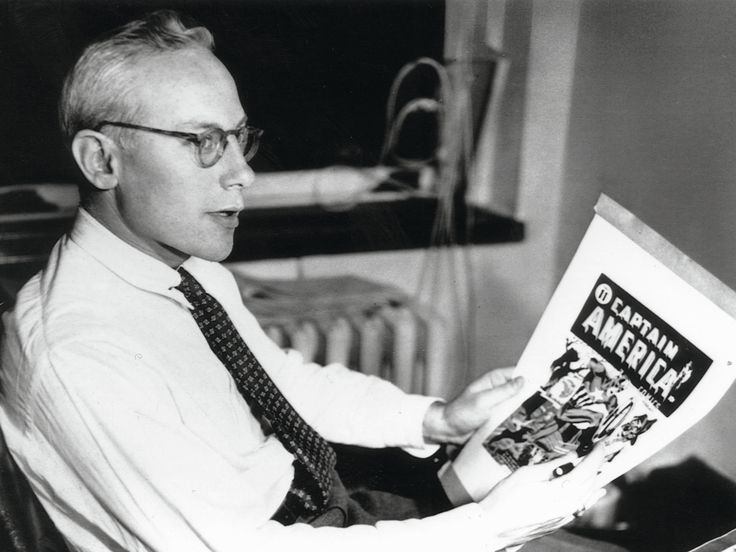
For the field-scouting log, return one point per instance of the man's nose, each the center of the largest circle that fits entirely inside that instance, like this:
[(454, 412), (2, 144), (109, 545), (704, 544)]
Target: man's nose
[(236, 172)]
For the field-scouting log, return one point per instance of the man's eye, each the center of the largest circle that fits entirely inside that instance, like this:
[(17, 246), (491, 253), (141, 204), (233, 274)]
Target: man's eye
[(209, 142)]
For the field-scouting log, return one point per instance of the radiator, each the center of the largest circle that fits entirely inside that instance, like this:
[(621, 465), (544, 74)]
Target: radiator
[(367, 326)]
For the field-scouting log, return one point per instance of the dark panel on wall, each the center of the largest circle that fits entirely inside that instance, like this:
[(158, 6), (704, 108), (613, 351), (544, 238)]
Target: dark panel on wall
[(314, 74)]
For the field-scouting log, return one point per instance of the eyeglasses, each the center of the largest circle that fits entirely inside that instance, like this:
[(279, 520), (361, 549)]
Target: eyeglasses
[(210, 144)]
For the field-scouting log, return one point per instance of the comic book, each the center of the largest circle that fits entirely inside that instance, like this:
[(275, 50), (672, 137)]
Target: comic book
[(634, 347)]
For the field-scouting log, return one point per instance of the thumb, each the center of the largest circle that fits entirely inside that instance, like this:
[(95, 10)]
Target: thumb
[(485, 408), (486, 401), (494, 378), (504, 391)]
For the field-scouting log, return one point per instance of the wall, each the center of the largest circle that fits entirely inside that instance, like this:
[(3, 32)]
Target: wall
[(630, 98), (652, 124), (514, 282)]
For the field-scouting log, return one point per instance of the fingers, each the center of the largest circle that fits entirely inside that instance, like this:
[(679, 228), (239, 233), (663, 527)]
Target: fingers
[(485, 403), (521, 535), (568, 472), (491, 379), (501, 392), (548, 470), (533, 500), (501, 375), (589, 466), (579, 489)]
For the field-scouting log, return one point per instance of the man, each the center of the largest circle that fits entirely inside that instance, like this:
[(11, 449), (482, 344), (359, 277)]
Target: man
[(141, 398)]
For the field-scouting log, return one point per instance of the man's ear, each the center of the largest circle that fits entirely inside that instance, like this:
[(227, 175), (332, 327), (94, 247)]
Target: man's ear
[(96, 155)]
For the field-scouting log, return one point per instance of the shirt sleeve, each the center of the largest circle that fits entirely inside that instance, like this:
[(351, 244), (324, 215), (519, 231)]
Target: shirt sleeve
[(343, 405), (169, 489)]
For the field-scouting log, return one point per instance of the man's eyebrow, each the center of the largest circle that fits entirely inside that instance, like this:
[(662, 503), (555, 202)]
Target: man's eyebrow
[(198, 123)]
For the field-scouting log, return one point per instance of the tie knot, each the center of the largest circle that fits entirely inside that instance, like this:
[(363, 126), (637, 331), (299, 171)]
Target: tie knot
[(190, 287)]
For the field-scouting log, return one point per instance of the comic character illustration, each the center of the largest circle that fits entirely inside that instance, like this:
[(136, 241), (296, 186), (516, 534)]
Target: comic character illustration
[(592, 406), (572, 412), (561, 368), (576, 425), (630, 432), (563, 365)]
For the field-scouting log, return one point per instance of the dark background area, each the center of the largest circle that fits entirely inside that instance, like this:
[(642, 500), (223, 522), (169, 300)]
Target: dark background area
[(315, 75)]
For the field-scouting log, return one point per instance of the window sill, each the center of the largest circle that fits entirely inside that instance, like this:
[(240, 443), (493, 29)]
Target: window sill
[(285, 232), (278, 233)]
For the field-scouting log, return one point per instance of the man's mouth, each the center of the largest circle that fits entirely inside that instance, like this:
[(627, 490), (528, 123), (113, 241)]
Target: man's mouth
[(226, 217)]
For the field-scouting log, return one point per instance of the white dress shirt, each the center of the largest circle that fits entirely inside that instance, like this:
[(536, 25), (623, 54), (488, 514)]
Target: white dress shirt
[(133, 434)]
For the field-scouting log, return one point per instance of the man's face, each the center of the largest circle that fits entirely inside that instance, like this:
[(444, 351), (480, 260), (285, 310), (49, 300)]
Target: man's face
[(166, 204)]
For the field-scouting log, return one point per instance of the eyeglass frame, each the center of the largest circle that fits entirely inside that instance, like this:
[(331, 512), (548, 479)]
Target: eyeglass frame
[(196, 137)]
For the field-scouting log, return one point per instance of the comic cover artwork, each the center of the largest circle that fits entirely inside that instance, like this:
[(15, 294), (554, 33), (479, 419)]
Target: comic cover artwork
[(619, 371)]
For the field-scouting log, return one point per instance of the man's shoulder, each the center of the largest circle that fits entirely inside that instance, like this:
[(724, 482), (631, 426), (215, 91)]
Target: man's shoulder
[(64, 300), (53, 315), (56, 332)]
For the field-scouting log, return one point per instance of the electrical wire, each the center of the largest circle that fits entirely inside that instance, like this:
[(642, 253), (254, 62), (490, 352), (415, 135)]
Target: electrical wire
[(418, 104), (444, 81), (442, 251), (453, 155)]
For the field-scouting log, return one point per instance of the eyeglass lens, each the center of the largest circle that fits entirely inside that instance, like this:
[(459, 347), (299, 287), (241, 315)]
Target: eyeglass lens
[(212, 144)]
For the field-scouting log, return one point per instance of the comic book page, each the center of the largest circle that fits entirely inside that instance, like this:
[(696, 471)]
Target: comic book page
[(635, 346)]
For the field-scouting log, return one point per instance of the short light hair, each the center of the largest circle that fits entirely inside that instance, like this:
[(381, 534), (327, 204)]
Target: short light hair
[(99, 85)]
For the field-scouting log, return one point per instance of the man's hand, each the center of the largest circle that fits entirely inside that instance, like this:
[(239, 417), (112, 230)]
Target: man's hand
[(455, 421), (532, 502)]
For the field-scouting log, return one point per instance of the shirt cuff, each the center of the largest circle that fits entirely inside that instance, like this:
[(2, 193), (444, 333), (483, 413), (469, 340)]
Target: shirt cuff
[(413, 410)]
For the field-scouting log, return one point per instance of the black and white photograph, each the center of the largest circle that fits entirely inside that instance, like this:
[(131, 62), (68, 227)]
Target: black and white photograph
[(367, 275)]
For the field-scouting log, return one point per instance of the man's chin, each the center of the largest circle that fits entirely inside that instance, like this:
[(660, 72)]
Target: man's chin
[(215, 254), (215, 249)]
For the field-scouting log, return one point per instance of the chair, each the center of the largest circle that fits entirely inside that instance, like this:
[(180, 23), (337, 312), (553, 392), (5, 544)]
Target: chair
[(24, 524)]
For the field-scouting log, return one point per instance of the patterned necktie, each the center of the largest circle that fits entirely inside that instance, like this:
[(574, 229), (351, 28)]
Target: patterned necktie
[(314, 457)]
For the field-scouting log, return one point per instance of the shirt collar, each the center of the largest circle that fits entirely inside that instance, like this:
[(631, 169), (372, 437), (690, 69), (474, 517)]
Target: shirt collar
[(127, 262)]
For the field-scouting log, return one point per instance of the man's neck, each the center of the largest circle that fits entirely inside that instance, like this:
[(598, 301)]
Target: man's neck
[(111, 218)]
